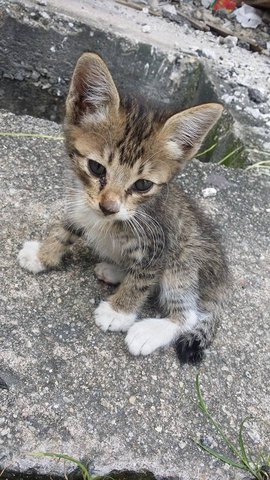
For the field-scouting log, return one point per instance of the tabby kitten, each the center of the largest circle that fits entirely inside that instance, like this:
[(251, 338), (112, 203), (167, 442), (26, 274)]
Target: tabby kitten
[(150, 237)]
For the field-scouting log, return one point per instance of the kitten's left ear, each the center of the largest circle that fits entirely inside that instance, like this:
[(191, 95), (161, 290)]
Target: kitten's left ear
[(184, 132), (92, 93)]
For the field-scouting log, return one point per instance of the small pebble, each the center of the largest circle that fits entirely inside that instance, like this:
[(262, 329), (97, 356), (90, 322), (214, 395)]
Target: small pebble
[(209, 192), (256, 95), (170, 9), (254, 112), (132, 400), (45, 15), (182, 445), (146, 29), (198, 14), (229, 41)]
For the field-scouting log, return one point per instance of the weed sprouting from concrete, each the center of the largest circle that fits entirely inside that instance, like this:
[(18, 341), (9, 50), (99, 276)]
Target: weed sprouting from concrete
[(86, 475), (258, 467), (61, 456)]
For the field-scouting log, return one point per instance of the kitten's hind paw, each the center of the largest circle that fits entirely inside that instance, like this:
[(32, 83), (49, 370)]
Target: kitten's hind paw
[(108, 319), (108, 273), (28, 257), (147, 335)]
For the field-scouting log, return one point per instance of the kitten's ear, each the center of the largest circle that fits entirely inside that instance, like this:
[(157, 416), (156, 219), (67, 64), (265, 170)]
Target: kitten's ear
[(184, 132), (92, 93)]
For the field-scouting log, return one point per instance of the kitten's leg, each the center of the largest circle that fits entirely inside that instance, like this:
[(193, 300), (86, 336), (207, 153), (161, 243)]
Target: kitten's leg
[(179, 299), (38, 256), (119, 312), (109, 273), (190, 328)]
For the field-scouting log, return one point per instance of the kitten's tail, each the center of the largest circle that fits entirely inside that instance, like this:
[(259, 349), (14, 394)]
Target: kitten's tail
[(190, 346)]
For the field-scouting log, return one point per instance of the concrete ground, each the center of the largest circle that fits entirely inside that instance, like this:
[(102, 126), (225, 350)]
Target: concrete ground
[(73, 389)]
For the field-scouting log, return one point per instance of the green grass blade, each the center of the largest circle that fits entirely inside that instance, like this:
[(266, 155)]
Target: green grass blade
[(63, 456), (202, 403), (220, 456), (244, 455), (217, 426), (206, 151), (229, 155), (31, 135)]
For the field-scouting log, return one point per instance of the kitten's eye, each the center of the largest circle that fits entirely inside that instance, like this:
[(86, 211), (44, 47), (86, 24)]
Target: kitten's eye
[(142, 185), (96, 168)]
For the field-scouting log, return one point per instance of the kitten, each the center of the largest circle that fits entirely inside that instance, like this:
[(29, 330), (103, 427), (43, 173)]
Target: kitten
[(148, 234)]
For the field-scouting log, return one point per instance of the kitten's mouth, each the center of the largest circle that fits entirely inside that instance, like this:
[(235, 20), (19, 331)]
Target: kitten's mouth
[(121, 213), (120, 216)]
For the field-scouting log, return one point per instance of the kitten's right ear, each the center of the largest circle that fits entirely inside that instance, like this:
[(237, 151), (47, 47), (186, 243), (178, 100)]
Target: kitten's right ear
[(184, 132), (92, 93)]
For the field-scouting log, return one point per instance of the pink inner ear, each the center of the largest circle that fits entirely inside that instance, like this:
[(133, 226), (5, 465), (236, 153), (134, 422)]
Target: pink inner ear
[(92, 88)]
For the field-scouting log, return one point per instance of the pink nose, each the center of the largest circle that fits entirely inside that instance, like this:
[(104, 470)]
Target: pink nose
[(109, 207)]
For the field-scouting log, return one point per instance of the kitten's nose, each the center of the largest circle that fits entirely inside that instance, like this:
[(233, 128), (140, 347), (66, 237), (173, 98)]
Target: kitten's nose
[(109, 207)]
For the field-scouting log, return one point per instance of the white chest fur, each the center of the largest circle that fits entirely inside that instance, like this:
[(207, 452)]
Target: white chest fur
[(99, 233)]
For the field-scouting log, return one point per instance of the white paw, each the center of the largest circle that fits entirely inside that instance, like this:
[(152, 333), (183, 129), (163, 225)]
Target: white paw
[(28, 257), (147, 335), (108, 319), (109, 273)]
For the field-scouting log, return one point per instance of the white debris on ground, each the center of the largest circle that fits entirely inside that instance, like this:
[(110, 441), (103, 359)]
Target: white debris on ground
[(248, 17), (209, 192)]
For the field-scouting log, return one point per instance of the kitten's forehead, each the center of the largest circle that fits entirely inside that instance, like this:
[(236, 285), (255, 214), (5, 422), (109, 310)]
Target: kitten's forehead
[(136, 134), (119, 171), (125, 137)]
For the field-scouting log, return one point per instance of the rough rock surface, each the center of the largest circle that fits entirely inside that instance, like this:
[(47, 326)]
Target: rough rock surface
[(76, 390), (171, 63)]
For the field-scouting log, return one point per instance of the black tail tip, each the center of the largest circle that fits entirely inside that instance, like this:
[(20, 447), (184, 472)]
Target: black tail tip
[(189, 350)]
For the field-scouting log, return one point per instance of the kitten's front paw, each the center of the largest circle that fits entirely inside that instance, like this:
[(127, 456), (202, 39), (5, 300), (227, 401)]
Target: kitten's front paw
[(28, 257), (147, 335), (108, 319), (109, 273)]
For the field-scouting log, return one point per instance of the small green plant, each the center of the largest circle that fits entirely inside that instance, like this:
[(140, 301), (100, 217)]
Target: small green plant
[(259, 467), (85, 474)]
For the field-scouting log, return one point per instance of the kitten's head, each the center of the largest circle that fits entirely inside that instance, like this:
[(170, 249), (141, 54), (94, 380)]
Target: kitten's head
[(122, 153)]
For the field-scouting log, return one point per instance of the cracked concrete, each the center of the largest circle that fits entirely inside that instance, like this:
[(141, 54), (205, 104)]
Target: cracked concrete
[(72, 388)]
